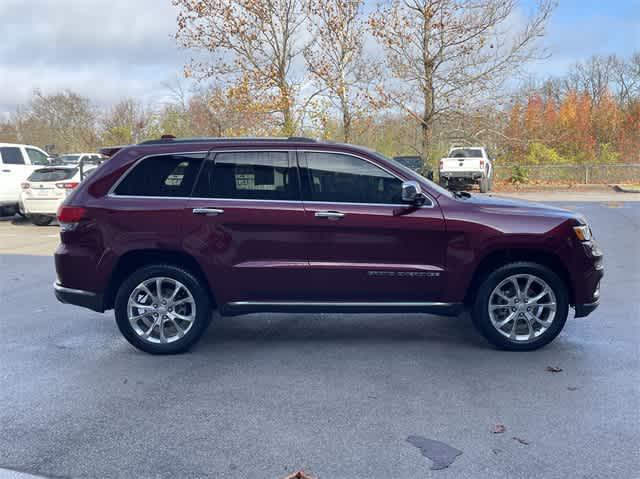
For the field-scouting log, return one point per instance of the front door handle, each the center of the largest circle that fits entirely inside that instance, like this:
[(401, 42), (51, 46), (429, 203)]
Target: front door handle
[(6, 171), (331, 215), (207, 211)]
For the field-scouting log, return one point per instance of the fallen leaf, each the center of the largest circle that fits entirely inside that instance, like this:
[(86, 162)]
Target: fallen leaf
[(521, 441), (554, 369), (298, 475), (573, 388), (499, 429), (496, 451)]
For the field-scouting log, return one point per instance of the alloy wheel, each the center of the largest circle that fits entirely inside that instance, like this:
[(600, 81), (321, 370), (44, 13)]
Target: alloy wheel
[(161, 310), (522, 307)]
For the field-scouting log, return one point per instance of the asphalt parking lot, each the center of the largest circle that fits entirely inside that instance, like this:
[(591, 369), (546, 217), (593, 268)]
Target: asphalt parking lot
[(263, 396)]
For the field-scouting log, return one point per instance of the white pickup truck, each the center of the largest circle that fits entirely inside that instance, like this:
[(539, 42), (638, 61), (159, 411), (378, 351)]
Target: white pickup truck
[(465, 166), (17, 162)]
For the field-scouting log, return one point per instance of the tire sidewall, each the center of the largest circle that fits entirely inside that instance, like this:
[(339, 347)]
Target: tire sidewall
[(195, 286), (481, 304)]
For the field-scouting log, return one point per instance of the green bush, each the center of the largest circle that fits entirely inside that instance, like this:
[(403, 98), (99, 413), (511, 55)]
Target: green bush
[(541, 154), (519, 175)]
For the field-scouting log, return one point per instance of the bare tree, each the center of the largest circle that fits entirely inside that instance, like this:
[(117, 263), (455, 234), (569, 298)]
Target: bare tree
[(66, 120), (253, 42), (335, 58), (444, 55), (125, 123)]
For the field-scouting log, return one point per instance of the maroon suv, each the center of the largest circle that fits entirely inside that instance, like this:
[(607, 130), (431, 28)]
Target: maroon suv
[(168, 230)]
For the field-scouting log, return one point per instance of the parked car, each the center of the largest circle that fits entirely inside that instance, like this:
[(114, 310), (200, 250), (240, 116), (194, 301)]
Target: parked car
[(465, 167), (75, 158), (168, 230), (415, 163), (16, 163), (46, 188)]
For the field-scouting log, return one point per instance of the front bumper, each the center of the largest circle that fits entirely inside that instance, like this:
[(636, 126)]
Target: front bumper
[(583, 310), (78, 297)]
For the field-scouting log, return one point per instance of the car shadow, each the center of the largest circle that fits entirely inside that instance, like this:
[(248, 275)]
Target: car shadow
[(328, 328)]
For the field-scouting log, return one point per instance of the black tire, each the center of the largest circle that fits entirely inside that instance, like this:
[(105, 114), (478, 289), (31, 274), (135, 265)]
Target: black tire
[(480, 309), (196, 287), (41, 220)]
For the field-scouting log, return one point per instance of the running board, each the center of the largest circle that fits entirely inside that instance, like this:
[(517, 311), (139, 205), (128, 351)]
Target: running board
[(246, 307)]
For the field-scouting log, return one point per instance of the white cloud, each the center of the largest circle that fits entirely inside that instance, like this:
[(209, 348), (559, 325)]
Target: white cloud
[(104, 49)]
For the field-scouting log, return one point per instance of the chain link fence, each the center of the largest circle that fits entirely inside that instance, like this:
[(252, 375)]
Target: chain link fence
[(582, 174)]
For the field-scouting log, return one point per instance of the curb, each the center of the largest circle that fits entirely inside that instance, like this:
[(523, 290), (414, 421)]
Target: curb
[(623, 189)]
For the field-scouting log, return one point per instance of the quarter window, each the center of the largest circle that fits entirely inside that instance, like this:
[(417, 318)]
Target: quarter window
[(256, 175), (11, 155), (166, 175), (338, 178)]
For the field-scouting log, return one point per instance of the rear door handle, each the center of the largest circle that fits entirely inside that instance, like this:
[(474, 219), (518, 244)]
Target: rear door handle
[(331, 215), (6, 171), (207, 211)]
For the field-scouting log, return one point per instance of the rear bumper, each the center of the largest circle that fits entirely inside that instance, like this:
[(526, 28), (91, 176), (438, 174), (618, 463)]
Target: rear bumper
[(468, 175), (41, 206), (78, 297)]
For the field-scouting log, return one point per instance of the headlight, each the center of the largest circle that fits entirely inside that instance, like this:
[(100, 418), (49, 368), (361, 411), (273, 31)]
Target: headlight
[(583, 232)]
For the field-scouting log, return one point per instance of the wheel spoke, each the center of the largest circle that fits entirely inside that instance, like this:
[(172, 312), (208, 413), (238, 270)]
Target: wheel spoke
[(148, 332), (539, 296), (495, 307), (147, 291), (163, 338), (529, 320), (175, 291), (183, 301), (512, 334), (503, 296), (179, 330), (159, 287), (527, 286), (514, 281), (506, 320), (182, 317)]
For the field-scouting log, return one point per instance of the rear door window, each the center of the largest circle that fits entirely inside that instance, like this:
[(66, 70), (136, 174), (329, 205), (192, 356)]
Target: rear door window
[(254, 175), (11, 155), (165, 175), (53, 174), (37, 157)]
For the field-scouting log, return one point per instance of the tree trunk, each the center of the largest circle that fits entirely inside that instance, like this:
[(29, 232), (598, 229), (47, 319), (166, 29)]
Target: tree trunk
[(346, 120)]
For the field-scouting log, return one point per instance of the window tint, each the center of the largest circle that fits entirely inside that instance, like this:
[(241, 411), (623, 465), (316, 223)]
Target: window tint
[(52, 174), (37, 157), (11, 155), (167, 175), (258, 175), (346, 179)]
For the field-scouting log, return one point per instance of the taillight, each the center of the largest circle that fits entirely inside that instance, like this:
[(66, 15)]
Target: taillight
[(25, 186), (441, 164), (69, 216), (68, 185), (481, 163)]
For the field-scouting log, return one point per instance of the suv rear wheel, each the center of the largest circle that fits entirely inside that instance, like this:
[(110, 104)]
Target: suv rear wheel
[(162, 309), (521, 306)]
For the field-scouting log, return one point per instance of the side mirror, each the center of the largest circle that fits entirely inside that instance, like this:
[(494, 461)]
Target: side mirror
[(412, 193)]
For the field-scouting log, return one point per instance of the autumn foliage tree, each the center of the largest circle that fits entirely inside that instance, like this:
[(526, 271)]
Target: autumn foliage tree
[(249, 42), (335, 56), (451, 55)]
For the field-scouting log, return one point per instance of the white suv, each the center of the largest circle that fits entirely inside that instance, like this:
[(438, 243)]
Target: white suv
[(17, 162)]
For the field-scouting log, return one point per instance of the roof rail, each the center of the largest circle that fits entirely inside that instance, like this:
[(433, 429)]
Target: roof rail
[(169, 139)]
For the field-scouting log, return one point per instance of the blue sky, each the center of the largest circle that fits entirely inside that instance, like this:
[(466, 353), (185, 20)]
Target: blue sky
[(109, 49)]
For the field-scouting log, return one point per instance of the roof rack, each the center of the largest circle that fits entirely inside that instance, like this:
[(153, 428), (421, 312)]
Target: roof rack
[(173, 140)]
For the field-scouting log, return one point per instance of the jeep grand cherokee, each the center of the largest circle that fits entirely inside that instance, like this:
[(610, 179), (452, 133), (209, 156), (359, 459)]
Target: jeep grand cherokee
[(168, 230)]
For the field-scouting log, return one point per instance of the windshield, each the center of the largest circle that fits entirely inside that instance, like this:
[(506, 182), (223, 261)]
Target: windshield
[(412, 174), (69, 158), (466, 153), (52, 174)]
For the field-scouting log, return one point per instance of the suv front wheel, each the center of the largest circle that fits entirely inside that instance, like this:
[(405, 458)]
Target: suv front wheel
[(521, 306), (162, 309)]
